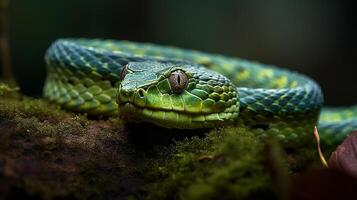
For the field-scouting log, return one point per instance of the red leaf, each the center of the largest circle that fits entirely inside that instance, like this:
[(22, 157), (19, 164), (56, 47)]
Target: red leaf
[(345, 156)]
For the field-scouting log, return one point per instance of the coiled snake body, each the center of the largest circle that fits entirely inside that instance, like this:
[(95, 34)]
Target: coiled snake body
[(177, 88)]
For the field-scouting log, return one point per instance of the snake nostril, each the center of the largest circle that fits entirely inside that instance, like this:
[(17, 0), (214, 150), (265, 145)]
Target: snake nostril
[(141, 93)]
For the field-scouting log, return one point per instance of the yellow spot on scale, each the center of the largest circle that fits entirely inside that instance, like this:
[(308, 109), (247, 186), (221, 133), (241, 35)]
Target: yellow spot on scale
[(281, 82), (242, 75), (266, 73), (112, 47), (203, 60), (293, 84), (140, 52), (227, 66), (334, 117), (131, 46)]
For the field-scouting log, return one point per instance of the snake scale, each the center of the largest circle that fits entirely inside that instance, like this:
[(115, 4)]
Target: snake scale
[(187, 89)]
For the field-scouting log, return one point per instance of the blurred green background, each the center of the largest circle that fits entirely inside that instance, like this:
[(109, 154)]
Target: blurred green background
[(314, 37)]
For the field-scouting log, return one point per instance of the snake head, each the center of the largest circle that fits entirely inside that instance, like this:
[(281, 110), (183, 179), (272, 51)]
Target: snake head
[(176, 95)]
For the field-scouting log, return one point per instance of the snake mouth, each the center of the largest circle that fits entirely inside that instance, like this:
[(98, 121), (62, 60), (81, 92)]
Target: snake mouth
[(171, 118)]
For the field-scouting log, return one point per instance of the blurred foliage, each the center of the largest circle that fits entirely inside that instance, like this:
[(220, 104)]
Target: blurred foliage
[(4, 88)]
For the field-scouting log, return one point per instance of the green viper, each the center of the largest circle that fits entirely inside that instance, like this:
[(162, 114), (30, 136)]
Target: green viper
[(186, 89)]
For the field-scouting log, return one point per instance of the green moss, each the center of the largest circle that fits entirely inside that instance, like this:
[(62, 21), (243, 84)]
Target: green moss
[(56, 154), (39, 117), (28, 107), (68, 155), (4, 88), (226, 164)]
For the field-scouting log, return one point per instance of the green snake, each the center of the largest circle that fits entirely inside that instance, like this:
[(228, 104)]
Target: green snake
[(187, 89)]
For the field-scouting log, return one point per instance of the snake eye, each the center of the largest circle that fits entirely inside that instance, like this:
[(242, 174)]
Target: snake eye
[(178, 81), (123, 72)]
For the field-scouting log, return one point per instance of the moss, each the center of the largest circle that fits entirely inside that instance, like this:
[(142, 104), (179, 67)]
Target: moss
[(28, 107), (226, 164), (50, 153)]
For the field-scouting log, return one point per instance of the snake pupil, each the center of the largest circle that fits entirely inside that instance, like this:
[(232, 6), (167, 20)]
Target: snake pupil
[(178, 81)]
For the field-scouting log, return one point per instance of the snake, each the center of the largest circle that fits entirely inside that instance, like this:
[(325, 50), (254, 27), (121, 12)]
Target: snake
[(178, 88)]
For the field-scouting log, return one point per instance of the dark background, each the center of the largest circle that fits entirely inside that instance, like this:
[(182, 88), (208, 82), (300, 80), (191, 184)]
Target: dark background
[(314, 37)]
